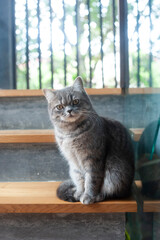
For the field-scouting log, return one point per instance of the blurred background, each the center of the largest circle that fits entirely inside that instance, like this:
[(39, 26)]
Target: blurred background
[(51, 43)]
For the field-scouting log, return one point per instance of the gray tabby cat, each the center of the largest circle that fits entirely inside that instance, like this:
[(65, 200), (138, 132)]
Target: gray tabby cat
[(99, 150)]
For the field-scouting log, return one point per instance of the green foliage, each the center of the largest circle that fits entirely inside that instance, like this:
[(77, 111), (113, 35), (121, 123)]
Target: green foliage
[(148, 35), (127, 237), (144, 70), (70, 47), (58, 54), (144, 74)]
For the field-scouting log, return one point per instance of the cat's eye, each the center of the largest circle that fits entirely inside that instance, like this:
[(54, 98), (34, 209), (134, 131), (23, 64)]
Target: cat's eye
[(75, 101), (60, 107)]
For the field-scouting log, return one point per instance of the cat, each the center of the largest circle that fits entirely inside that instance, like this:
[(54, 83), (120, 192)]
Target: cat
[(98, 150)]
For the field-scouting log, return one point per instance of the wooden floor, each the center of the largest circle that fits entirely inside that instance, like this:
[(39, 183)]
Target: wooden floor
[(40, 197)]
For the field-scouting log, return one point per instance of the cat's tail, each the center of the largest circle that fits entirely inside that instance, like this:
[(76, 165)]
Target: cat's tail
[(66, 191)]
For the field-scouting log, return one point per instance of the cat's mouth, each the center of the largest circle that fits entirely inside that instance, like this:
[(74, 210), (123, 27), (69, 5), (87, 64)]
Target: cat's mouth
[(71, 117)]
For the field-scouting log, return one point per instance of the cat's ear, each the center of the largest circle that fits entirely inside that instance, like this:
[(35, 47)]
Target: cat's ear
[(49, 94), (78, 84)]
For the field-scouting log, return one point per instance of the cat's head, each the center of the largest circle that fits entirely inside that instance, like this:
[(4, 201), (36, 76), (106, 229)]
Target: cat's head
[(68, 104)]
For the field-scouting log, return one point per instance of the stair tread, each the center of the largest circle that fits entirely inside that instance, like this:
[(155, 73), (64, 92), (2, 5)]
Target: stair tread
[(90, 91), (148, 204), (27, 136), (40, 197), (137, 132), (42, 135), (39, 93)]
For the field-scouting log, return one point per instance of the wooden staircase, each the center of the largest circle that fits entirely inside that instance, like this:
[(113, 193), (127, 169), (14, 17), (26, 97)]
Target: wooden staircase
[(48, 189), (20, 138)]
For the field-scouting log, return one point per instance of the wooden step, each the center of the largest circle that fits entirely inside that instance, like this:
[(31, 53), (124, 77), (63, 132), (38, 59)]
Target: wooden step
[(40, 136), (40, 197), (136, 133), (147, 90), (90, 91), (27, 136), (39, 93), (148, 204)]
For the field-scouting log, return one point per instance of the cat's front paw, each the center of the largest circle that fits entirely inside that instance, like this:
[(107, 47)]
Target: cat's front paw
[(87, 199), (77, 195)]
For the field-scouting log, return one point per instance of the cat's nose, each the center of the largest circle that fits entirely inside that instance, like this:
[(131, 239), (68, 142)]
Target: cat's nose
[(69, 110)]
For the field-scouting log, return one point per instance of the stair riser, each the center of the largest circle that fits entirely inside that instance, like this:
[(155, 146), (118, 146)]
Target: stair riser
[(62, 226), (134, 111), (32, 162)]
